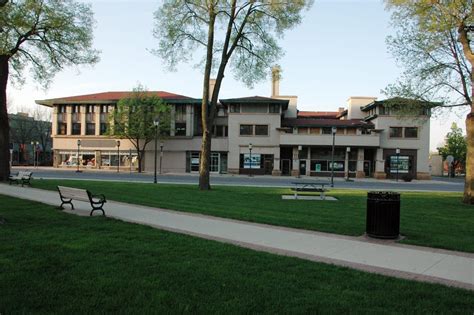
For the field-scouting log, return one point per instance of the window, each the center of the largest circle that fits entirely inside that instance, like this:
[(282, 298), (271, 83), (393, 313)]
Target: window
[(90, 129), (90, 109), (220, 131), (180, 129), (235, 108), (104, 108), (246, 130), (62, 128), (365, 131), (180, 113), (411, 132), (384, 110), (62, 109), (103, 128), (251, 108), (327, 130), (315, 131), (261, 130), (76, 109), (274, 108), (396, 132), (302, 130), (76, 129)]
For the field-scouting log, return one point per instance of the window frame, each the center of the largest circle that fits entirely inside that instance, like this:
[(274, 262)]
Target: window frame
[(395, 137), (251, 130)]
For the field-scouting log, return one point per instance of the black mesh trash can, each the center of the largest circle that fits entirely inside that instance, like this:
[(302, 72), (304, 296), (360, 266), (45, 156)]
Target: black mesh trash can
[(383, 214)]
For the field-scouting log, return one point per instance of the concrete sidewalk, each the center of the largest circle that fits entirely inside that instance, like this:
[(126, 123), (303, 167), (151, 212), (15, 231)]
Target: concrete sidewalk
[(410, 262)]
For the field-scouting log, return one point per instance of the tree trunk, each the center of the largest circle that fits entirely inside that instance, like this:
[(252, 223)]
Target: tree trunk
[(204, 180), (4, 126), (469, 182)]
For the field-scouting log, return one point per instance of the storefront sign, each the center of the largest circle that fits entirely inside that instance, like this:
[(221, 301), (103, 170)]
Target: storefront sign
[(402, 163), (318, 168), (255, 160)]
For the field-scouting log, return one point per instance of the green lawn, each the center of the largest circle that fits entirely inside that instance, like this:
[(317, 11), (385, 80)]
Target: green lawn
[(53, 262), (428, 219)]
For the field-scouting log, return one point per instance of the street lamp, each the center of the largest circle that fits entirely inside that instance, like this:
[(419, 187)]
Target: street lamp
[(161, 154), (250, 150), (33, 148), (118, 156), (397, 150), (156, 123), (333, 132), (78, 148)]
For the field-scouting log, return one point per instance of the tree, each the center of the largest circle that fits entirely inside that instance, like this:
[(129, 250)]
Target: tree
[(41, 36), (241, 33), (456, 146), (133, 119), (434, 44)]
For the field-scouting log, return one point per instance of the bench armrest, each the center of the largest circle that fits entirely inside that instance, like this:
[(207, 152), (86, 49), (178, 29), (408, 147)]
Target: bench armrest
[(100, 197)]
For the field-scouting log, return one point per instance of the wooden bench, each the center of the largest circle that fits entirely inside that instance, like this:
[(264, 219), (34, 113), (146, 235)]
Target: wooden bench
[(22, 176), (68, 194), (310, 187)]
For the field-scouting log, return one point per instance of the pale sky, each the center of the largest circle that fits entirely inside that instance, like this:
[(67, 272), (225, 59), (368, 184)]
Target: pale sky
[(338, 51)]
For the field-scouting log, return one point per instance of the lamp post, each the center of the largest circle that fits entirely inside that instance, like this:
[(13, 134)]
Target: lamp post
[(161, 154), (397, 150), (156, 123), (118, 156), (348, 150), (34, 153), (250, 150), (78, 148), (333, 132)]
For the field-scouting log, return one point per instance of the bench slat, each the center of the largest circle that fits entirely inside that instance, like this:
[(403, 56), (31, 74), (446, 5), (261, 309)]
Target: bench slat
[(74, 193)]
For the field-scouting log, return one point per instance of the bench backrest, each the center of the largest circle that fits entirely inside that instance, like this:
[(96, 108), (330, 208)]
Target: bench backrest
[(24, 174), (74, 193)]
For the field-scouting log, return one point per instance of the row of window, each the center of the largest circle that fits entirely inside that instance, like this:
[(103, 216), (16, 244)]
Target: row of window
[(76, 129), (89, 108), (254, 130), (252, 109), (403, 132)]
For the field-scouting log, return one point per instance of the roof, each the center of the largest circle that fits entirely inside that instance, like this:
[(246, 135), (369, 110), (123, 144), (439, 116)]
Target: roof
[(398, 101), (112, 97), (320, 115), (346, 123), (256, 100)]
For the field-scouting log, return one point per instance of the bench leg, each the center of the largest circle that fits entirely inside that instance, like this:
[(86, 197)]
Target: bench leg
[(66, 202), (97, 208)]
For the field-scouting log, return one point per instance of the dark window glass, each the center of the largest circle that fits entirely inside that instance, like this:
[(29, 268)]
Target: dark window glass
[(90, 109), (326, 130), (246, 130), (396, 132), (226, 131), (261, 130), (103, 128), (76, 129), (62, 128), (235, 108), (90, 129), (180, 129), (411, 132), (273, 108)]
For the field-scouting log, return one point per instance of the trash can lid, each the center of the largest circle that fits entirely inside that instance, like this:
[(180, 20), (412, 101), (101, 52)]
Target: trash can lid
[(384, 195)]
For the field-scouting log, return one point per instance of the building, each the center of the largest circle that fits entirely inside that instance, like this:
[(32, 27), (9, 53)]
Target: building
[(258, 135)]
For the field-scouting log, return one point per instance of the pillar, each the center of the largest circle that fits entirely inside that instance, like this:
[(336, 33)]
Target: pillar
[(346, 163), (97, 120), (54, 123), (276, 164), (189, 120), (173, 121), (379, 165), (69, 120), (82, 118), (360, 163), (295, 169)]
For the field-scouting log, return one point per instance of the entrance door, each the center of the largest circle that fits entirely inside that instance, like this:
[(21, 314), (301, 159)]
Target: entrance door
[(214, 167), (303, 167), (268, 166), (285, 167), (367, 168)]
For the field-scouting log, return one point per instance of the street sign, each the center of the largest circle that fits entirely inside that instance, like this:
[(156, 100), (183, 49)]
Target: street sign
[(450, 159)]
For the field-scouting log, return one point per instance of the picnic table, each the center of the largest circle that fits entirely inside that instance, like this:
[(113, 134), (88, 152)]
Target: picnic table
[(310, 186)]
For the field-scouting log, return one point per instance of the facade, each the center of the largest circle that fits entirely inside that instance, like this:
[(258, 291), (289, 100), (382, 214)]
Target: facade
[(257, 135)]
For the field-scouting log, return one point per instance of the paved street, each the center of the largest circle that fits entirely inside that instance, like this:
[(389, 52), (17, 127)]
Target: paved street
[(437, 184)]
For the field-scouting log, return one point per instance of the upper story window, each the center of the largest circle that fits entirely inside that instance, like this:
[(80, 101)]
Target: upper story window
[(384, 110), (235, 108), (396, 132), (274, 108), (76, 108), (220, 131), (261, 130), (180, 113), (62, 109), (252, 108), (326, 131), (411, 132), (222, 112), (180, 129), (90, 109), (246, 130)]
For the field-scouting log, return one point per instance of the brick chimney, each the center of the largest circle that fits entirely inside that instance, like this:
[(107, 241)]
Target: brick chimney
[(276, 80)]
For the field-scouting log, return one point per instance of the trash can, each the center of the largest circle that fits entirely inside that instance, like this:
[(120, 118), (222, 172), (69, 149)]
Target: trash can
[(383, 214)]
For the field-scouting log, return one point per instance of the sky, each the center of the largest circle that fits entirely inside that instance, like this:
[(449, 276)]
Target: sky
[(337, 51)]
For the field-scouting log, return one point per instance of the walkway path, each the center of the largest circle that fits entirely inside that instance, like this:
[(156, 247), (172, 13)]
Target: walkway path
[(411, 262)]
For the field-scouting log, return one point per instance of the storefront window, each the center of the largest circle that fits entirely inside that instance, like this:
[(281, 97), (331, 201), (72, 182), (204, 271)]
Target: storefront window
[(401, 163)]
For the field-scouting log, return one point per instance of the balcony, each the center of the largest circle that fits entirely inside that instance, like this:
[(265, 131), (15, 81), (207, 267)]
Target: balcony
[(372, 140)]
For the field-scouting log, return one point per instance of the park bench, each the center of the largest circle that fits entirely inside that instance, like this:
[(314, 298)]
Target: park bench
[(23, 177), (68, 194), (310, 187)]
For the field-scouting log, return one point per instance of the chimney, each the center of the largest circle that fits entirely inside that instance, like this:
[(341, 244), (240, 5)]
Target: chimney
[(212, 84), (276, 81), (341, 109)]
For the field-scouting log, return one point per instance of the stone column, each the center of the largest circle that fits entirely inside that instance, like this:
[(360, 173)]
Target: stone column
[(379, 165), (173, 121), (189, 120), (69, 119), (295, 170), (56, 158), (97, 119), (54, 123), (98, 158), (82, 117), (346, 164), (360, 163), (276, 165)]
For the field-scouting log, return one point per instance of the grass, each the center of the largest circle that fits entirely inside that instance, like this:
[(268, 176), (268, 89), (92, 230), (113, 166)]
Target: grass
[(52, 262), (431, 219)]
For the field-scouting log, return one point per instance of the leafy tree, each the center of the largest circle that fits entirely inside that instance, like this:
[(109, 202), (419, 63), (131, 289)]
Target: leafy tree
[(133, 119), (434, 44), (42, 36), (242, 34), (456, 146)]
